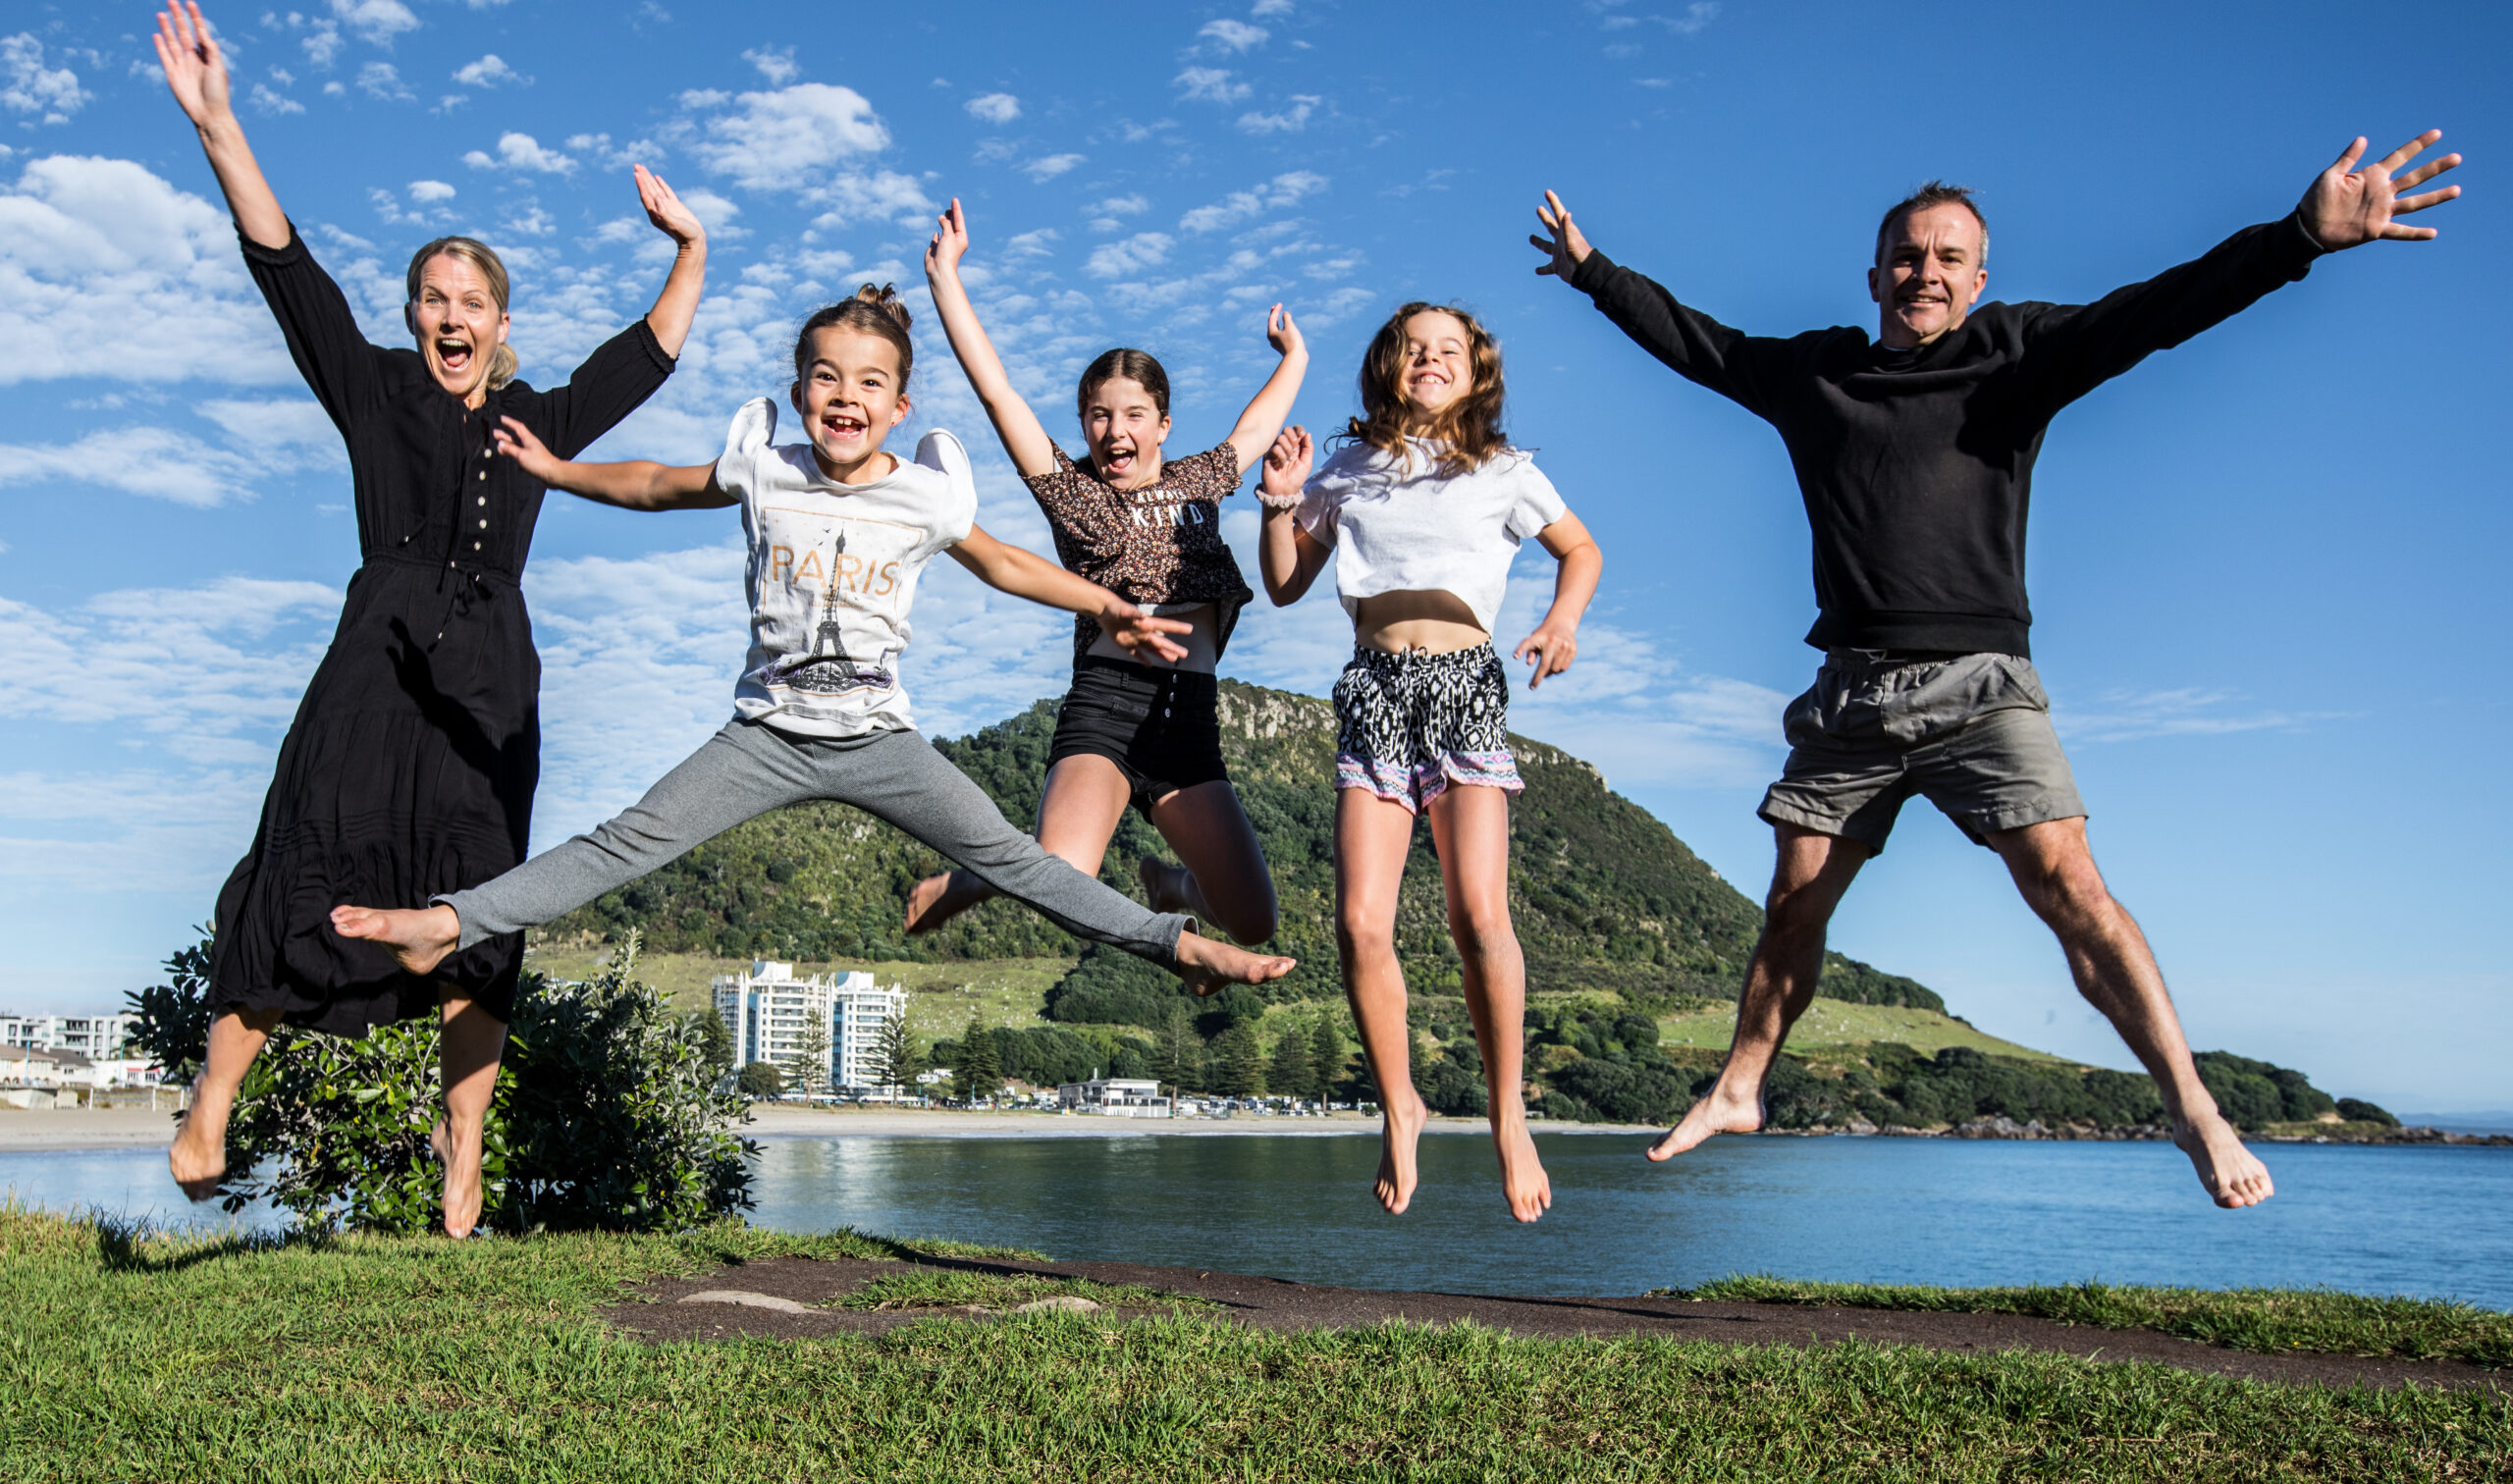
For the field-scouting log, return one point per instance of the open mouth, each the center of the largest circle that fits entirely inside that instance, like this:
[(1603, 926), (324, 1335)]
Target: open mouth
[(453, 354), (843, 424), (1116, 461)]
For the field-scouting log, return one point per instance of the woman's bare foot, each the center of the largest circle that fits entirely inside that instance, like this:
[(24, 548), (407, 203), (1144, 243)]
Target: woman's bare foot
[(419, 939), (1522, 1179), (937, 899), (1400, 1129), (1210, 967), (2232, 1175), (198, 1158), (1722, 1112), (462, 1191)]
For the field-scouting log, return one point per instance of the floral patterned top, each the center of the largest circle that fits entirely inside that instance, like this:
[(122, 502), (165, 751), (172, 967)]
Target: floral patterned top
[(1158, 546)]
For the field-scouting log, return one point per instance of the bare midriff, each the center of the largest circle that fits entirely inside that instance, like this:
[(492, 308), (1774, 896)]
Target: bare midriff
[(1202, 645), (1429, 620)]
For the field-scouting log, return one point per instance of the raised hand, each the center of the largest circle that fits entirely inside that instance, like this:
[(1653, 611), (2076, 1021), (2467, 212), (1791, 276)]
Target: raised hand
[(2348, 207), (950, 241), (1550, 649), (516, 442), (1142, 635), (1286, 469), (1567, 248), (1282, 334), (195, 67), (666, 211)]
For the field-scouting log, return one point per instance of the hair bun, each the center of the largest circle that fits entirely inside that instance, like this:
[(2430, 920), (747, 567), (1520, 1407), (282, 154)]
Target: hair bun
[(886, 299)]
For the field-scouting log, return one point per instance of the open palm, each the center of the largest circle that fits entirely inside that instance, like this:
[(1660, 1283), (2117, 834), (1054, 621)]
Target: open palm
[(195, 69), (2348, 207)]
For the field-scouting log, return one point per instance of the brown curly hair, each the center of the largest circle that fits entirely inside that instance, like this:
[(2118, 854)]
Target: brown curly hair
[(1469, 429)]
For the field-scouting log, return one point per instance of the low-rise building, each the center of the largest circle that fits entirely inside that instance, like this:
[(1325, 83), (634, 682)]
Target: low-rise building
[(1116, 1096), (771, 1016), (100, 1036)]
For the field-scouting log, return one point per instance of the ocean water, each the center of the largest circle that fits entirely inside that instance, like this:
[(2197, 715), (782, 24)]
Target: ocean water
[(2428, 1221)]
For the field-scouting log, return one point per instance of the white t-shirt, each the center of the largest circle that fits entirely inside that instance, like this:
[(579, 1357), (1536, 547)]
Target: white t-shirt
[(1400, 525), (832, 573)]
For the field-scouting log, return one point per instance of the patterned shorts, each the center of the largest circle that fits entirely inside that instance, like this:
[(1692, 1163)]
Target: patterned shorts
[(1409, 725)]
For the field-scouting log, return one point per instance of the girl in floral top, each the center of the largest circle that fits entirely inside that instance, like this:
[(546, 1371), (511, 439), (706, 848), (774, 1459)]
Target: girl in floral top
[(1148, 530)]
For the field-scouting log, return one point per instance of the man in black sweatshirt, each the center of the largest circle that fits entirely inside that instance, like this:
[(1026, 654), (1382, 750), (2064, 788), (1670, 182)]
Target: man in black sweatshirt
[(1915, 453)]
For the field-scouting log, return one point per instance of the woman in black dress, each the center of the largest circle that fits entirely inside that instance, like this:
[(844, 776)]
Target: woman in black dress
[(410, 767)]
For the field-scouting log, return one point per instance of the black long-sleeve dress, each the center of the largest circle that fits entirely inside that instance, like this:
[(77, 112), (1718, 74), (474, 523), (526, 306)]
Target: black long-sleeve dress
[(412, 763)]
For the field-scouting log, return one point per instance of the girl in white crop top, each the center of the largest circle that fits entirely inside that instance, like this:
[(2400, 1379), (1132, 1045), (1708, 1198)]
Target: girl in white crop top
[(1424, 507)]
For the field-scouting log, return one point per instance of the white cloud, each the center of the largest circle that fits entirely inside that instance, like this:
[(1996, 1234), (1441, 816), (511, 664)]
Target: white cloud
[(2124, 715), (1240, 205), (998, 109), (381, 80), (1696, 15), (221, 657), (323, 44), (1145, 249), (1233, 35), (521, 151), (293, 423), (1212, 84), (427, 191), (1048, 167), (27, 86), (780, 140), (376, 21), (91, 253), (490, 70), (856, 195), (272, 103), (1264, 8), (157, 463), (1290, 120), (777, 66), (1121, 206)]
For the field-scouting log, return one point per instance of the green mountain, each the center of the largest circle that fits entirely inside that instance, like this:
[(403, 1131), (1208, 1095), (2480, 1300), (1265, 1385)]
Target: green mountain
[(1605, 898)]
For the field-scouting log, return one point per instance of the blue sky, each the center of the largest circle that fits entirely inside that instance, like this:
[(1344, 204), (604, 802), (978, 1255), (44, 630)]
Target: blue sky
[(2264, 566)]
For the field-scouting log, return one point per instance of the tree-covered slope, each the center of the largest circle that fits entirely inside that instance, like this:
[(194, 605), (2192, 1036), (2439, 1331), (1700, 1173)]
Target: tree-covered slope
[(1604, 896)]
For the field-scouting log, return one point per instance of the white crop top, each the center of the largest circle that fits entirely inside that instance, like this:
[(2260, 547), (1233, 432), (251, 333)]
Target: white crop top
[(1404, 526)]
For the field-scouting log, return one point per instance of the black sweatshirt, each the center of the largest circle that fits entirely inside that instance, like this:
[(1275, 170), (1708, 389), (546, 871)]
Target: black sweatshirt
[(1917, 465)]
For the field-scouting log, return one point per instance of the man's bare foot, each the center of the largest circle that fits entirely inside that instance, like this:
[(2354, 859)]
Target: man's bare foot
[(461, 1195), (198, 1159), (926, 908), (1401, 1127), (419, 939), (1210, 967), (1522, 1179), (1722, 1112), (2232, 1174)]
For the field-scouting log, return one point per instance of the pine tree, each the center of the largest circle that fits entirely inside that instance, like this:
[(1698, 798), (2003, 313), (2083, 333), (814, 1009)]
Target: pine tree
[(1327, 1059), (806, 1067), (715, 1041), (1177, 1056), (1290, 1074), (1239, 1062), (895, 1053), (980, 1074)]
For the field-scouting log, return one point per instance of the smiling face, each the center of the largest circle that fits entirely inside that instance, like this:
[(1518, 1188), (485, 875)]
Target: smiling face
[(458, 325), (851, 396), (1931, 270), (1125, 428), (1438, 366)]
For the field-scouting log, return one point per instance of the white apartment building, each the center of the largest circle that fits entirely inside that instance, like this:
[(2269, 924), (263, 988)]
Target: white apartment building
[(1118, 1097), (99, 1037), (768, 1011)]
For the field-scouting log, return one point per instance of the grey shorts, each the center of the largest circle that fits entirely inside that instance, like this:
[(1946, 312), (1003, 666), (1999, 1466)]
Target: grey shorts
[(1972, 733)]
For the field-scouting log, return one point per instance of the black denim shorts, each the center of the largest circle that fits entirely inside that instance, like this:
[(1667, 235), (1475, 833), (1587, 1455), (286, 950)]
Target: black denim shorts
[(1158, 726)]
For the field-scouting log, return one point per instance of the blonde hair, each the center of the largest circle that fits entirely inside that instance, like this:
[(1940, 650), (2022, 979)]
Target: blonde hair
[(483, 259), (1469, 428)]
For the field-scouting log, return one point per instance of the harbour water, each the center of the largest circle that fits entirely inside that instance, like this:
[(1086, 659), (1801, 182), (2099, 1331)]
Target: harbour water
[(2427, 1221)]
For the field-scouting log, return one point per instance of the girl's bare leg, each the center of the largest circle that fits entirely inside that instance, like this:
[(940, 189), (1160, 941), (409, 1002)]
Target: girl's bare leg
[(1085, 799), (1222, 881), (1471, 826), (473, 1041), (1371, 837), (198, 1159)]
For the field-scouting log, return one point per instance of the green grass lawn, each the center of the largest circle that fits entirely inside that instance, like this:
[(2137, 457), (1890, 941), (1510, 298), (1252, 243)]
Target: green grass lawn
[(1832, 1023), (368, 1359)]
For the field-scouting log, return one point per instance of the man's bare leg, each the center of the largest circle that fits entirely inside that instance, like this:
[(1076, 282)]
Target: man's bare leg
[(1806, 884), (420, 937), (473, 1041), (1222, 881), (198, 1158), (1085, 800), (1471, 825), (1371, 838), (2116, 971)]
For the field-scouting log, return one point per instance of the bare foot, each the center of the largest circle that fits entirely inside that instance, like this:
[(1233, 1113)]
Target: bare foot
[(1210, 967), (198, 1159), (2233, 1176), (1523, 1178), (1400, 1131), (1169, 888), (419, 939), (463, 1193), (1722, 1112), (436, 1143)]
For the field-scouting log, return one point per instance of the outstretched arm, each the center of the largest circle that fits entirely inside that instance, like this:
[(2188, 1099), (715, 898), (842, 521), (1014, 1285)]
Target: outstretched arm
[(1556, 641), (1288, 557), (1027, 574), (1273, 401), (677, 304), (1695, 347), (196, 74), (2347, 207), (637, 484), (1015, 424)]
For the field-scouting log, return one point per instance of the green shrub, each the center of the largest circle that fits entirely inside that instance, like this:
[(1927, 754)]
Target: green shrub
[(606, 1114), (761, 1079)]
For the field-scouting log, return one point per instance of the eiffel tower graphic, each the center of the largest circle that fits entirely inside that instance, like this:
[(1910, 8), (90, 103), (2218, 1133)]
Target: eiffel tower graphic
[(830, 670)]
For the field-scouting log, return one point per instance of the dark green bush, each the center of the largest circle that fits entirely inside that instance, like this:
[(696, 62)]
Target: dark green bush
[(761, 1079), (2357, 1110)]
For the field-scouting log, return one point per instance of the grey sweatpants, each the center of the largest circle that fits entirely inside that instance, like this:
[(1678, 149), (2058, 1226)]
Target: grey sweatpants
[(749, 769)]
